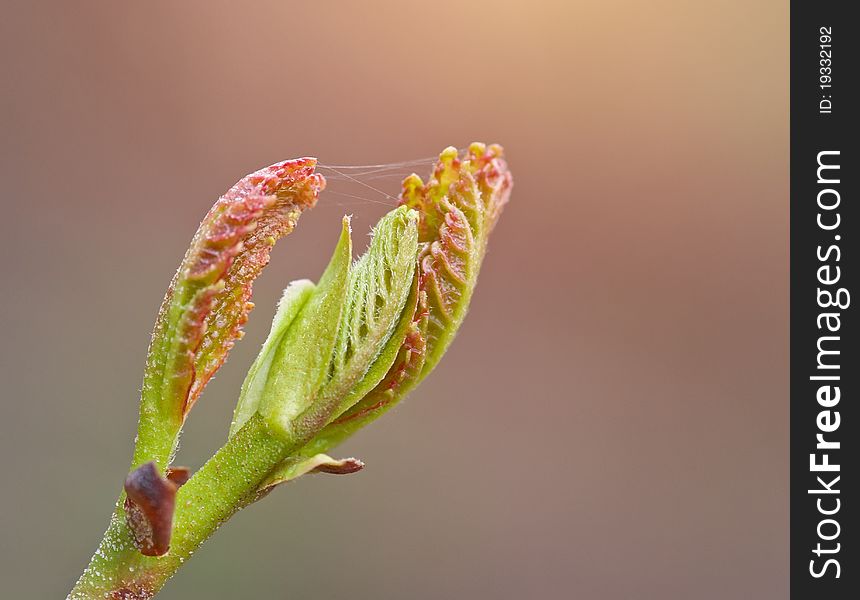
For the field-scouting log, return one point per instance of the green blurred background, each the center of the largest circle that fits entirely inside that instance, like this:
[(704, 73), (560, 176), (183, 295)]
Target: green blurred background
[(611, 422)]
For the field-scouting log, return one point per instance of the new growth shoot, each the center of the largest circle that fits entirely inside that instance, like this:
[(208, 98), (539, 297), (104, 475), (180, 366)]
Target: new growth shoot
[(341, 352)]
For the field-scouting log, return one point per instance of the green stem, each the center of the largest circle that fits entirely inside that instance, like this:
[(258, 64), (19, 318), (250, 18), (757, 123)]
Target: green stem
[(157, 438), (118, 571)]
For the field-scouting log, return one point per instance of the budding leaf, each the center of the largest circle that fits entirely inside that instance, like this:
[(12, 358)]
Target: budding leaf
[(381, 298), (458, 209), (208, 300), (459, 206), (368, 303), (300, 364), (295, 297), (377, 295)]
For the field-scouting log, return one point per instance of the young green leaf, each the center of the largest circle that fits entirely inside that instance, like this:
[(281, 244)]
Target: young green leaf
[(370, 305), (295, 297), (300, 363), (377, 296), (381, 300)]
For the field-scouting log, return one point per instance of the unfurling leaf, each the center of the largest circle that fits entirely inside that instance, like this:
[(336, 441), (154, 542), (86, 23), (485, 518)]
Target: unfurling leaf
[(382, 293), (299, 364), (294, 298), (458, 209), (209, 298), (375, 315), (461, 203), (331, 344)]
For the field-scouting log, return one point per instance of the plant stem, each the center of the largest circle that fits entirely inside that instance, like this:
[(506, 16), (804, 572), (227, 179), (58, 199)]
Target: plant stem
[(118, 571)]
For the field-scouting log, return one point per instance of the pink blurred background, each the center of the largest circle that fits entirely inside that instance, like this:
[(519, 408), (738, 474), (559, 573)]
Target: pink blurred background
[(611, 422)]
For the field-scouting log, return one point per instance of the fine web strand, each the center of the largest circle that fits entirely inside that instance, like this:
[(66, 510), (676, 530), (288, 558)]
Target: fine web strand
[(368, 184)]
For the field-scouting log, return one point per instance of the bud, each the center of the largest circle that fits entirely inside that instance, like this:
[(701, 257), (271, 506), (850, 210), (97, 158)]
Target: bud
[(325, 339), (457, 209), (339, 354)]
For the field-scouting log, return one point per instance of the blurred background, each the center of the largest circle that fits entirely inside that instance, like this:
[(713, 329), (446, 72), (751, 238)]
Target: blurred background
[(611, 422)]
